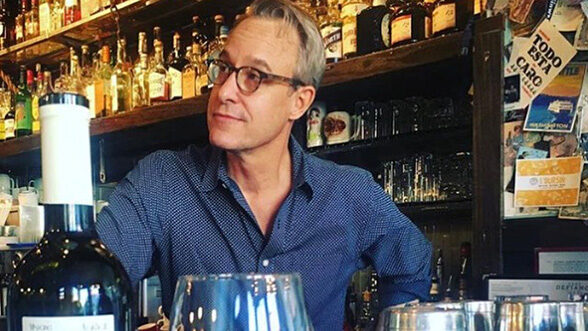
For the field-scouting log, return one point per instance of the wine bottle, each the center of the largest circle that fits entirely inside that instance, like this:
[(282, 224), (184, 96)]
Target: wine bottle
[(69, 281)]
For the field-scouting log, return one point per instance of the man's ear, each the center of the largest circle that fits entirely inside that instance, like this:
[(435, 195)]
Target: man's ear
[(304, 97)]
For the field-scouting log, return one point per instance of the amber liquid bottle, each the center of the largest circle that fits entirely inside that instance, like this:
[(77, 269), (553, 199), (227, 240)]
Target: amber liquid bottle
[(444, 17), (409, 23)]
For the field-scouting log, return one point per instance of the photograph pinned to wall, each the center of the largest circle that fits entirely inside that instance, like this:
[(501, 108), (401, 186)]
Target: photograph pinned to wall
[(562, 144), (512, 92), (579, 212), (567, 15), (531, 153), (554, 109), (532, 20)]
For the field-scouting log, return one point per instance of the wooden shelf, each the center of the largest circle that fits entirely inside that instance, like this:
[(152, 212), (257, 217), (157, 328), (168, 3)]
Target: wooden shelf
[(436, 208), (429, 51)]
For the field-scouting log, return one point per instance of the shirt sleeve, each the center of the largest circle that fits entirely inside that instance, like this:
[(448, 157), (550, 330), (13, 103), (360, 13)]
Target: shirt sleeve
[(126, 225), (396, 248)]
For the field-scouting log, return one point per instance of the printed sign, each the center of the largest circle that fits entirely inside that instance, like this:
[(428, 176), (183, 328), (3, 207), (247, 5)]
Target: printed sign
[(540, 60), (548, 182)]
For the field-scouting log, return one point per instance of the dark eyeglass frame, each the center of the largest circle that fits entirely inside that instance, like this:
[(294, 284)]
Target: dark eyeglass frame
[(295, 83)]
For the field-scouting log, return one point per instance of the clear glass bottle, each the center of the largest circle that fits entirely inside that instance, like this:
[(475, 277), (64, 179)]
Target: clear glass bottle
[(349, 12), (10, 123), (4, 33), (141, 82), (36, 95), (102, 83), (56, 15), (175, 65), (156, 40), (158, 84), (199, 38), (44, 17), (32, 24), (120, 82), (331, 31), (19, 22), (71, 12), (217, 45), (23, 107), (189, 73)]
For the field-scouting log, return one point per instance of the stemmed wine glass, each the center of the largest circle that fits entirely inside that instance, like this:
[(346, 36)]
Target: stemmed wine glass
[(248, 302)]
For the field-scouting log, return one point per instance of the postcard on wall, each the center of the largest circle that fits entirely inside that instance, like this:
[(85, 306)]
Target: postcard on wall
[(554, 110), (548, 182), (579, 212), (540, 60), (567, 15)]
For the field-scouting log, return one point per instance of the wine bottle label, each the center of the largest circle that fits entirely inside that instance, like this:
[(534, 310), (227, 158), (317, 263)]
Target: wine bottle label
[(201, 83), (401, 28), (19, 32), (44, 18), (114, 93), (2, 130), (156, 85), (91, 95), (332, 38), (176, 82), (22, 115), (94, 323), (428, 27), (444, 17), (385, 30), (350, 35), (9, 128), (189, 83)]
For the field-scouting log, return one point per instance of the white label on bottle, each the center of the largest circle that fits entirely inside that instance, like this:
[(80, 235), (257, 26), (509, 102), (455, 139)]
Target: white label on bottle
[(332, 39), (156, 85), (70, 3), (91, 96), (350, 35), (19, 32), (114, 93), (9, 128), (44, 18), (94, 323), (385, 30), (444, 17), (401, 28), (176, 83)]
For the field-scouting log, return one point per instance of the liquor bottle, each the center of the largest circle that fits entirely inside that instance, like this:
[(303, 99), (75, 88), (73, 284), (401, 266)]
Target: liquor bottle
[(158, 84), (156, 40), (349, 12), (10, 124), (43, 88), (87, 78), (465, 272), (175, 64), (57, 12), (32, 20), (189, 73), (331, 31), (409, 23), (4, 25), (434, 295), (141, 47), (36, 94), (62, 82), (71, 12), (141, 82), (199, 38), (102, 84), (439, 268), (448, 296), (19, 22), (69, 281), (23, 107), (373, 28), (4, 108), (120, 82), (444, 17), (44, 17), (216, 45), (75, 77)]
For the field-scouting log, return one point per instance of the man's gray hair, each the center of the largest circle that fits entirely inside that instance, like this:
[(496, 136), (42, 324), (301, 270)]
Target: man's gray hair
[(311, 52)]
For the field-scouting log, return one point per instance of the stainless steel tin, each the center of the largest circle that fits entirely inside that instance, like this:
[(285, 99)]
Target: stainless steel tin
[(571, 316), (541, 316), (480, 315)]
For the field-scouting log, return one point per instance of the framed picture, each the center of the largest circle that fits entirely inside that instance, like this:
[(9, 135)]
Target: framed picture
[(561, 261)]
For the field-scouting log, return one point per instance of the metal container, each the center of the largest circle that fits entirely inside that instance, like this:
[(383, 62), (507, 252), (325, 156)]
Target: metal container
[(480, 315), (541, 316), (571, 316), (421, 318), (510, 316)]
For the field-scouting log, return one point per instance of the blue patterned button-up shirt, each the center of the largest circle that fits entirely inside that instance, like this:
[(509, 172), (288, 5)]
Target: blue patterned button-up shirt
[(181, 213)]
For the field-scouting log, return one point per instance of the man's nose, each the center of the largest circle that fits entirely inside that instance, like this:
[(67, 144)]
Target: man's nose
[(228, 90)]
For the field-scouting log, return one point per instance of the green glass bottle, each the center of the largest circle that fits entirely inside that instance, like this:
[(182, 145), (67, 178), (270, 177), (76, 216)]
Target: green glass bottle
[(23, 107)]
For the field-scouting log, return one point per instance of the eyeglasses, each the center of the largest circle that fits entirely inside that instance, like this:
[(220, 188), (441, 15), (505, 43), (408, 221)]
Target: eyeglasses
[(248, 78)]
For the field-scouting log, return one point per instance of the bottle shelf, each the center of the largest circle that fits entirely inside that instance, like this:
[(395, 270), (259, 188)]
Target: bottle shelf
[(437, 208), (429, 51)]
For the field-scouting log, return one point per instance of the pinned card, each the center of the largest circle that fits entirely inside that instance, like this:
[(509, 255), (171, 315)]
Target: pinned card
[(540, 60)]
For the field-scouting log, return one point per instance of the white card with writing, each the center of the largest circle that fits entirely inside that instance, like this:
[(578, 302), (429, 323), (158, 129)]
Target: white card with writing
[(545, 54)]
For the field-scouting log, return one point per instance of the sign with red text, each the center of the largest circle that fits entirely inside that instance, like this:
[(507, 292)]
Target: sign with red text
[(540, 59)]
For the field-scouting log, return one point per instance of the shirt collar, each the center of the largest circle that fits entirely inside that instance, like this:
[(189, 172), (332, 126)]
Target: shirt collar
[(216, 170)]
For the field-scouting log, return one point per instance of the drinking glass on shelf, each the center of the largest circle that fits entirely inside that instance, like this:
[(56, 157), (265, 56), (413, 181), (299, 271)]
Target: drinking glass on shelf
[(239, 302)]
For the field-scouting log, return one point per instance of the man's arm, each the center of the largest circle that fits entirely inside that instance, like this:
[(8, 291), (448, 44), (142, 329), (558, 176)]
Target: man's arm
[(126, 224), (396, 248)]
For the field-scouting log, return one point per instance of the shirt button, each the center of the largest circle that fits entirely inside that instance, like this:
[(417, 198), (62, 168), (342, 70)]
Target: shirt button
[(265, 263), (224, 185)]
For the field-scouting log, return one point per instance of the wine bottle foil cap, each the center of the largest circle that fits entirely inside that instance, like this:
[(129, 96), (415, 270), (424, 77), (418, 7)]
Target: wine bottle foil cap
[(64, 99)]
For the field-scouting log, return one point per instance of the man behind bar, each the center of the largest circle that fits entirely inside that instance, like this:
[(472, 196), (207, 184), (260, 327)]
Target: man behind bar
[(254, 201)]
